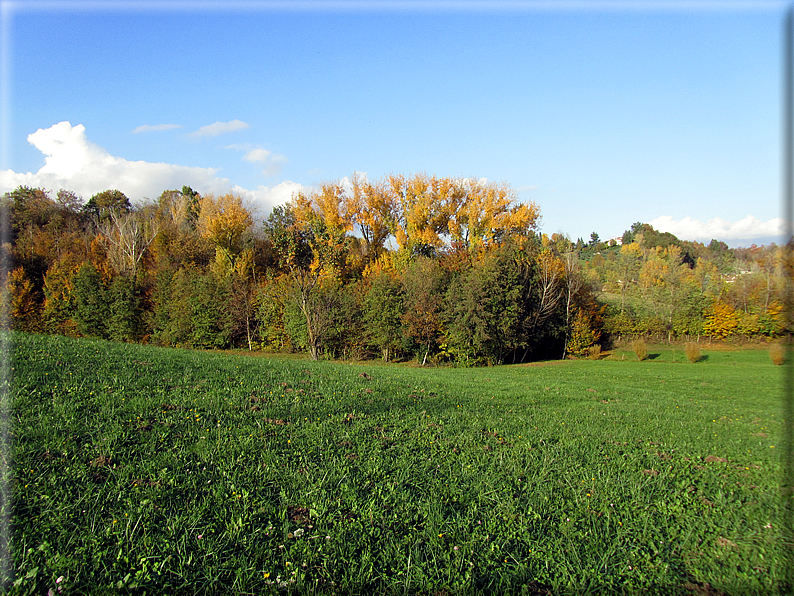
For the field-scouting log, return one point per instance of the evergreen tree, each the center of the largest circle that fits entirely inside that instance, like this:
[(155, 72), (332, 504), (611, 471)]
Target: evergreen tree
[(92, 311)]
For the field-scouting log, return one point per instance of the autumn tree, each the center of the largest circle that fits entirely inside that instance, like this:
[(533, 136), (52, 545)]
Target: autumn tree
[(420, 216), (483, 214), (176, 215), (23, 303), (224, 221), (59, 300), (41, 230), (371, 208)]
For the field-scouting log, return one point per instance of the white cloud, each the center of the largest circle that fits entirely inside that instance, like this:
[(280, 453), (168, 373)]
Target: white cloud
[(347, 182), (219, 128), (274, 162), (264, 198), (257, 155), (748, 228), (155, 127), (74, 163)]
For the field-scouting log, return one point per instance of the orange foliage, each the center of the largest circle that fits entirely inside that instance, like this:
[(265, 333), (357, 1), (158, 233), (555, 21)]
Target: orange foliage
[(721, 321)]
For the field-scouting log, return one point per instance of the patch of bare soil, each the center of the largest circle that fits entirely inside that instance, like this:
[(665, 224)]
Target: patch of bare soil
[(545, 363)]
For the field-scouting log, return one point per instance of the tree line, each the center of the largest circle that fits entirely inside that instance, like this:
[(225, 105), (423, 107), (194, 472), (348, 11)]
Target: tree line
[(442, 269)]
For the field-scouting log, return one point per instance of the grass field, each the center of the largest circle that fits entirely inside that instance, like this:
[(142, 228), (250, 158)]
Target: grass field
[(147, 470)]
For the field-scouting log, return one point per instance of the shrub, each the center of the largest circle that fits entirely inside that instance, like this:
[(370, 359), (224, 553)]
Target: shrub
[(692, 351), (594, 352), (640, 348), (777, 352)]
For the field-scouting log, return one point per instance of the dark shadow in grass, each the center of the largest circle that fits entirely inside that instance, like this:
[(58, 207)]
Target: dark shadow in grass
[(702, 358), (652, 356)]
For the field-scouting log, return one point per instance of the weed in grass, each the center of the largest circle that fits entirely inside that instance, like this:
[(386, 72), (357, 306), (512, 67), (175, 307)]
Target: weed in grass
[(640, 348), (692, 351)]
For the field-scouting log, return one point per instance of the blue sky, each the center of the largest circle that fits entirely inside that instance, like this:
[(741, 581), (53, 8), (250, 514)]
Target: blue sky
[(603, 114)]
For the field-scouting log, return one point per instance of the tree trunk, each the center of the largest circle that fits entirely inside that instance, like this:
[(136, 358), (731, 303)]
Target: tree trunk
[(248, 330)]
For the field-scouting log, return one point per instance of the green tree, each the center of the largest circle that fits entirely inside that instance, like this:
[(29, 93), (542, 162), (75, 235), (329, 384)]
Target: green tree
[(307, 249), (423, 290), (91, 296), (101, 205), (124, 310), (210, 321), (271, 298), (484, 310), (383, 309)]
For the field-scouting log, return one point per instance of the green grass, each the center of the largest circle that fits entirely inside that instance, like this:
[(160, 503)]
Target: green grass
[(146, 470)]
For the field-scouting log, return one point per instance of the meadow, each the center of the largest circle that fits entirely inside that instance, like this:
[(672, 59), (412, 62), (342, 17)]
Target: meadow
[(146, 470)]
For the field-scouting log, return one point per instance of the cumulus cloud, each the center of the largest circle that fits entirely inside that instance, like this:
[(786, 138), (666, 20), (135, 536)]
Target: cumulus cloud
[(74, 163), (746, 229), (154, 128), (219, 128), (264, 198)]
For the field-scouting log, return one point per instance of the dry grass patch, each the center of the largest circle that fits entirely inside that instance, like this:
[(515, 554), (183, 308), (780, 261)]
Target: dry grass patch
[(777, 352), (640, 348), (692, 351)]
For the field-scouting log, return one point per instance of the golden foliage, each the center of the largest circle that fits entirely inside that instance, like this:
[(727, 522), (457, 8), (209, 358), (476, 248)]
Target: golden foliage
[(482, 214), (24, 307), (721, 321), (223, 221)]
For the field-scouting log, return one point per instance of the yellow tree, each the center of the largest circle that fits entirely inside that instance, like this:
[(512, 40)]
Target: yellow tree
[(177, 243), (721, 321), (330, 203), (371, 208), (24, 307), (224, 221), (482, 214), (420, 216)]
